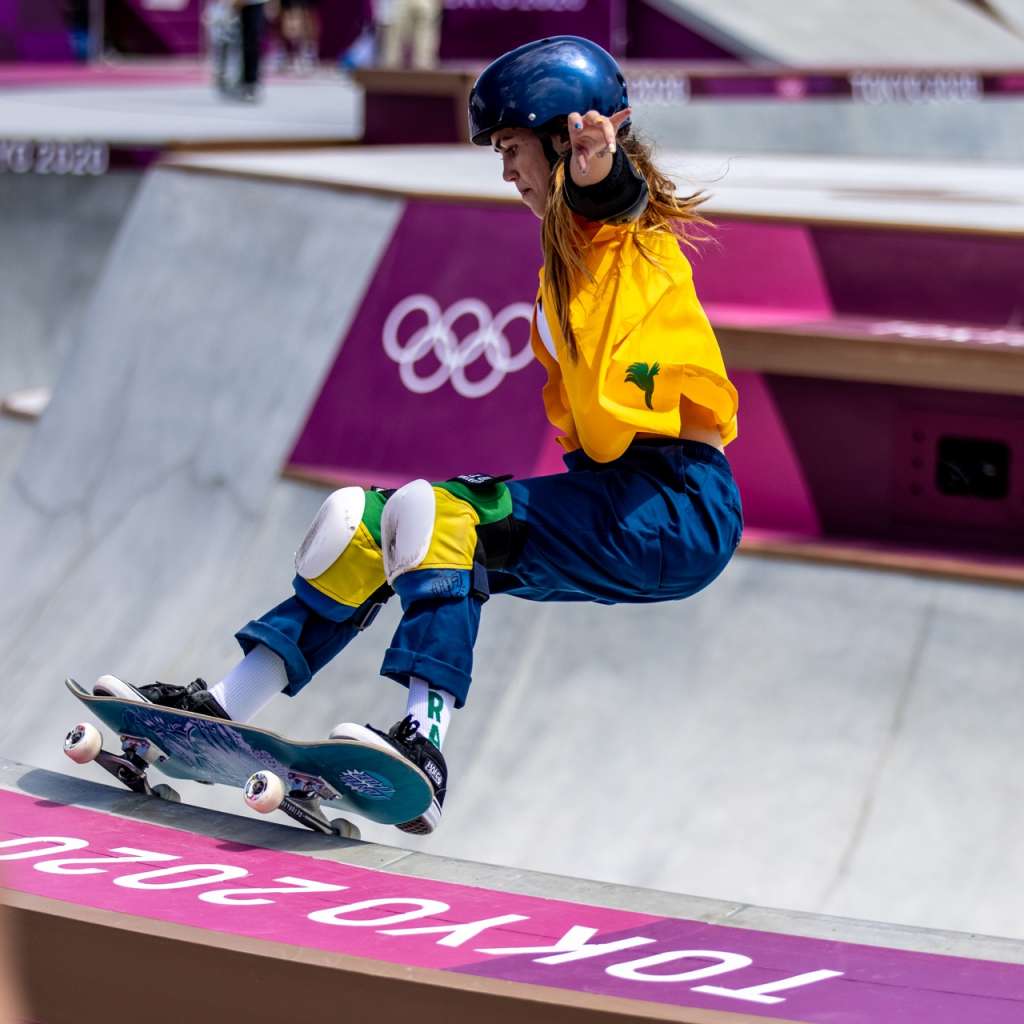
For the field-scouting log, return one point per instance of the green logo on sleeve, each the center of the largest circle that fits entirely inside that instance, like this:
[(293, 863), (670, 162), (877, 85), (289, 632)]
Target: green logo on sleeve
[(643, 376)]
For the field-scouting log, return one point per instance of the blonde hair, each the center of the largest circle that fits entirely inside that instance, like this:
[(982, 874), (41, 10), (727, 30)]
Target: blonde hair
[(564, 242)]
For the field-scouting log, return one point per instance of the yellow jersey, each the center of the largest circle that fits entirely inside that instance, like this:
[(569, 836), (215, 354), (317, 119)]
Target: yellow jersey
[(644, 344)]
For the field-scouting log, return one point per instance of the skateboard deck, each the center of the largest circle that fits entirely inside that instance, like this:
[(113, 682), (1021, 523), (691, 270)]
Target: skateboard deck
[(348, 775)]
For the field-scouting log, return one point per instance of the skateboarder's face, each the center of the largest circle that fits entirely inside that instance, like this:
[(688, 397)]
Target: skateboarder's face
[(524, 163)]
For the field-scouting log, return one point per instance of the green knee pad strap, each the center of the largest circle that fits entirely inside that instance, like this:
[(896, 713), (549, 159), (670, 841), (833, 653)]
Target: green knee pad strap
[(489, 496), (372, 511)]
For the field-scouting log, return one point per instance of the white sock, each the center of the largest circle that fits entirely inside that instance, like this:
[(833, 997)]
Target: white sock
[(250, 685), (431, 708)]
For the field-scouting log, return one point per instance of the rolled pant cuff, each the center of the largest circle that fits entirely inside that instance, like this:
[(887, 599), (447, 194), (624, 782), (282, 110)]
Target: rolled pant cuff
[(400, 665), (295, 664)]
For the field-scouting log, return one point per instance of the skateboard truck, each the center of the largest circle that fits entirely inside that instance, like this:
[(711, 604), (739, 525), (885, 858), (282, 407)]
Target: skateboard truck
[(265, 792), (84, 743), (143, 749)]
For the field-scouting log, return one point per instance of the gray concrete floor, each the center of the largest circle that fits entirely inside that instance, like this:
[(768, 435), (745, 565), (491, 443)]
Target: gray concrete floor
[(820, 739), (987, 129), (324, 106), (329, 106), (55, 234)]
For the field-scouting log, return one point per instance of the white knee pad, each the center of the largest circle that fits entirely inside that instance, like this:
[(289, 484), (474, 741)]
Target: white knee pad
[(333, 529), (407, 527)]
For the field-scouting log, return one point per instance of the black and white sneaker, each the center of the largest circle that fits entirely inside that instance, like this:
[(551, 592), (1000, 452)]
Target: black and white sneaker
[(405, 738), (194, 697)]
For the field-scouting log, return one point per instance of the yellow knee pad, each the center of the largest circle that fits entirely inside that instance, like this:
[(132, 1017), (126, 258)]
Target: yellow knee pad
[(341, 553), (425, 526), (360, 539)]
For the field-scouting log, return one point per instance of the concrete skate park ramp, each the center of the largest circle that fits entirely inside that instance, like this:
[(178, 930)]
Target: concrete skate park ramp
[(62, 205), (257, 916), (867, 33), (827, 740), (56, 234)]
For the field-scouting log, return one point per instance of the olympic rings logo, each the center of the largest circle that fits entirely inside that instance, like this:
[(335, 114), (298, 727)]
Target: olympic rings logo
[(487, 339)]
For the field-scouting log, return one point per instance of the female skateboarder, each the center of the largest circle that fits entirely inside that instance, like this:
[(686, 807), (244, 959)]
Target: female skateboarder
[(648, 510)]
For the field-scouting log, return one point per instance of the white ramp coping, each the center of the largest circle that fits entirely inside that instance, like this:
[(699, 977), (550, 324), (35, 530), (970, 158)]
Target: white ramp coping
[(955, 196), (853, 32)]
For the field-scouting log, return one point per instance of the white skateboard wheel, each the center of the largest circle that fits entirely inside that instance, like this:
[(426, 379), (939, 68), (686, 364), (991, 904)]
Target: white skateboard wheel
[(264, 792), (83, 743), (345, 829), (168, 793)]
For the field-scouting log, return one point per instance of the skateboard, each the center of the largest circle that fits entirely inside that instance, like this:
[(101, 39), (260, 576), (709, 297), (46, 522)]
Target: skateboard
[(273, 773)]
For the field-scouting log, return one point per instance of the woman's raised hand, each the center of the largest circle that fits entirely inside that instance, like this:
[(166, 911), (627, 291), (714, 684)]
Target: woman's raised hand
[(592, 135)]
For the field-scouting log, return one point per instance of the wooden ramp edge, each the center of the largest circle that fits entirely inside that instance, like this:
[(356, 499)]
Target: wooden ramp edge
[(119, 900)]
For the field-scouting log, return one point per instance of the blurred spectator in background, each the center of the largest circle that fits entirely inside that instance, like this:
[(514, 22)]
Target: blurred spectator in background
[(311, 32), (300, 29), (76, 15), (235, 32), (362, 51), (406, 24), (224, 35), (250, 12)]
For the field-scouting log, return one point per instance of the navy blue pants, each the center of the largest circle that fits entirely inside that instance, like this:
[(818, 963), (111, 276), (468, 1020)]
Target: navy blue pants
[(657, 524)]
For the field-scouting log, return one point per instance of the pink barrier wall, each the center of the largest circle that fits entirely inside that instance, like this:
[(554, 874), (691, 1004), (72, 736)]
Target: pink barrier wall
[(434, 377), (140, 26), (165, 875), (33, 30), (484, 29)]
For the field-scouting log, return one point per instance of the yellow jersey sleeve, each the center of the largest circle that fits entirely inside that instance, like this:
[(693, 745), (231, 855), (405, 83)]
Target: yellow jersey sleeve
[(644, 344)]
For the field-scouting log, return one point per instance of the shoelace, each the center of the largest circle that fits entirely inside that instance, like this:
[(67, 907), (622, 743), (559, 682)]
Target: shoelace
[(406, 730)]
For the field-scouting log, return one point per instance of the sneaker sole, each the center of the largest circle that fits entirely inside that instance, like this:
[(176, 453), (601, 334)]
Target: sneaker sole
[(111, 686), (351, 731), (425, 824)]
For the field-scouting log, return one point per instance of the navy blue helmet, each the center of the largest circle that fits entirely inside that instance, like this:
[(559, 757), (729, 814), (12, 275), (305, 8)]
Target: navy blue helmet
[(545, 79)]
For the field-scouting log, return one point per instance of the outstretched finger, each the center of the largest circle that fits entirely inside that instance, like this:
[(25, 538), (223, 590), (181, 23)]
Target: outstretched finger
[(620, 117)]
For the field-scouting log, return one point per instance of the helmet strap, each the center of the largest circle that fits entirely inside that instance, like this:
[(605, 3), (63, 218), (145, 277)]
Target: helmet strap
[(549, 149), (546, 133)]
